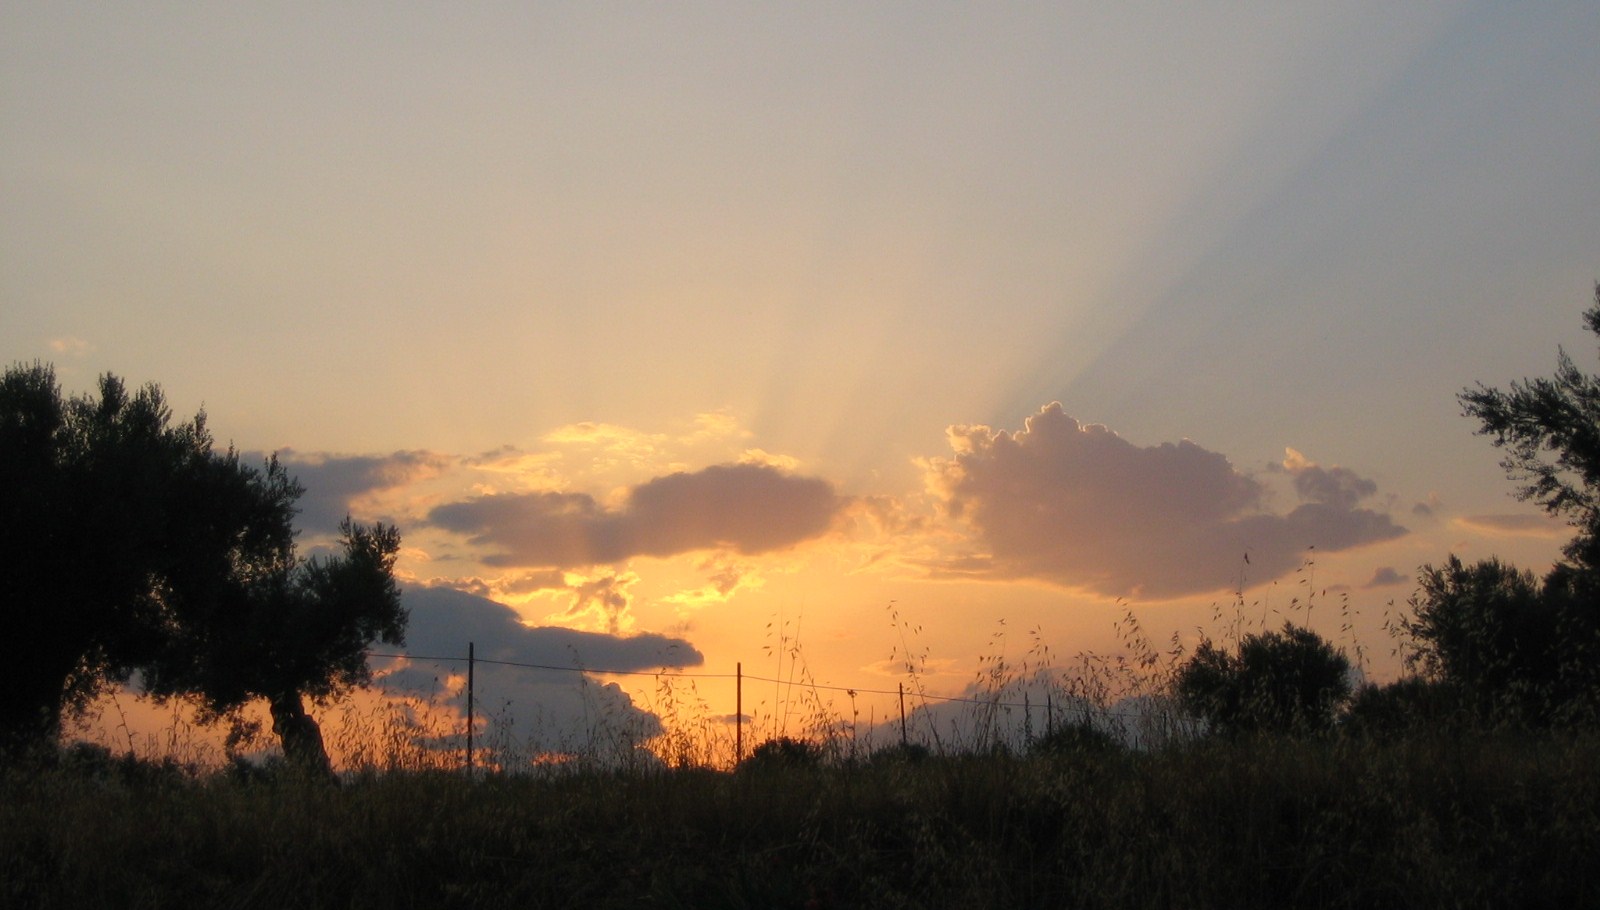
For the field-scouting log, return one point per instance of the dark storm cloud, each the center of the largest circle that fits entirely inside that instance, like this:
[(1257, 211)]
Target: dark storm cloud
[(1080, 506), (747, 508)]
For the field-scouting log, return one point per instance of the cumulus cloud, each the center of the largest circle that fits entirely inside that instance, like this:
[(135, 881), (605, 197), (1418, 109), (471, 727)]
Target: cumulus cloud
[(746, 508), (543, 708), (1078, 505), (336, 485), (1334, 486)]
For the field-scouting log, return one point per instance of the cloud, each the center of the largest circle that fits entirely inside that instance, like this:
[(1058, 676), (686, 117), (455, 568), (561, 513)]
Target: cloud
[(1077, 505), (70, 347), (607, 447), (1516, 525), (509, 466), (337, 485), (623, 442), (725, 578), (1385, 576), (746, 508), (443, 620), (600, 601), (541, 709), (1334, 486), (606, 597)]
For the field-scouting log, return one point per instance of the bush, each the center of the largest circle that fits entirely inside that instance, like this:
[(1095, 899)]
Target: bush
[(1403, 707), (1080, 738), (1518, 650), (785, 752), (1289, 681)]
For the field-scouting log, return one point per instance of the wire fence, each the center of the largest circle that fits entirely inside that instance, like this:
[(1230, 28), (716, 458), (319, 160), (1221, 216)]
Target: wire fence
[(1002, 696)]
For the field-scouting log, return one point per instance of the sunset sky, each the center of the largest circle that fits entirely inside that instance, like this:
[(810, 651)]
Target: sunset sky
[(667, 326)]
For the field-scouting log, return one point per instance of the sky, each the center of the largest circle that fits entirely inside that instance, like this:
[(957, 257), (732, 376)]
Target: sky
[(704, 334)]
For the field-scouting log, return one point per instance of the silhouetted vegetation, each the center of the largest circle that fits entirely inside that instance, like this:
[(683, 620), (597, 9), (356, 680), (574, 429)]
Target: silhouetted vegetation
[(1403, 707), (1074, 739), (1514, 648), (784, 752), (127, 543), (1423, 821), (1550, 431), (299, 630), (1281, 682)]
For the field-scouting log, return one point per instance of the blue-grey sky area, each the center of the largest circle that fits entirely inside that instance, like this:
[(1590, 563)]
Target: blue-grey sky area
[(672, 319)]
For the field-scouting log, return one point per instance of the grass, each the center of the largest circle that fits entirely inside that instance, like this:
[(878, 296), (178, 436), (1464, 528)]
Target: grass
[(1426, 821), (969, 815)]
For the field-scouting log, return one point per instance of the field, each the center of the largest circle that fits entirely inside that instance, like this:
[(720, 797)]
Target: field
[(1426, 820)]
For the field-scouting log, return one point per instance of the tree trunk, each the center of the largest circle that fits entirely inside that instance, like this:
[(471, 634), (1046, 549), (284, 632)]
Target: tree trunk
[(300, 736)]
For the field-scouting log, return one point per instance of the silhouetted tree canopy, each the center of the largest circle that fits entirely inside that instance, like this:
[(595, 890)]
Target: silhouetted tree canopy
[(1288, 681), (1515, 649), (1550, 431), (1399, 708), (127, 543), (296, 629)]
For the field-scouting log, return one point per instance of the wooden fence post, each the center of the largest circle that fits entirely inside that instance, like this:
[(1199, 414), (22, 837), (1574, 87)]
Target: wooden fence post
[(902, 715)]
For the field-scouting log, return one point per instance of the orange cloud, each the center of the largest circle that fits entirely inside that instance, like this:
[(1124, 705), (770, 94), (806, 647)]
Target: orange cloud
[(726, 577)]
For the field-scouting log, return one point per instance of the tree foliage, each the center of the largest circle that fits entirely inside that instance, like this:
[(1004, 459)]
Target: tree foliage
[(1288, 681), (128, 543), (1515, 647), (296, 629), (1399, 708), (1550, 431)]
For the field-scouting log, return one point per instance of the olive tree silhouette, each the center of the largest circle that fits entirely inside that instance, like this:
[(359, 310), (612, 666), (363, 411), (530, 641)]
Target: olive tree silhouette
[(1550, 431), (1279, 682), (114, 523), (299, 629), (127, 543), (1518, 648), (1515, 649)]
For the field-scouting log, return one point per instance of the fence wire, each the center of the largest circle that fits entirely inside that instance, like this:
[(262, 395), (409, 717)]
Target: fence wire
[(850, 690)]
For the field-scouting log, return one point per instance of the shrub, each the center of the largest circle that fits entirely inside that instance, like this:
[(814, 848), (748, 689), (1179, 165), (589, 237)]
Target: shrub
[(785, 752), (1289, 681)]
